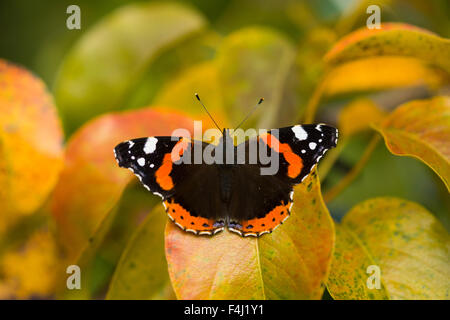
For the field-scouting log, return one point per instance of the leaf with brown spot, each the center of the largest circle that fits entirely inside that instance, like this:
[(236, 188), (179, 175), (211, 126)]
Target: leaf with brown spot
[(290, 263), (348, 272), (421, 129), (91, 182), (393, 39), (406, 241), (31, 144)]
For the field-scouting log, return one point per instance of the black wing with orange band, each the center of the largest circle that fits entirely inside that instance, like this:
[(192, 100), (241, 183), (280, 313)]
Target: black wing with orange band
[(190, 192), (262, 202)]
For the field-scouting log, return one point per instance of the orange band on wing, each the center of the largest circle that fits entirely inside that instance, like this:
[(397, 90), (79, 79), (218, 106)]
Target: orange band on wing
[(269, 222), (162, 175), (295, 162), (186, 221)]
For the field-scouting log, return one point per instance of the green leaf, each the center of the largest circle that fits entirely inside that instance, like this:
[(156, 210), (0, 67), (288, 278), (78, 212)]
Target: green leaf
[(290, 263), (102, 253), (393, 39), (142, 270), (254, 63), (103, 67), (421, 129), (408, 244)]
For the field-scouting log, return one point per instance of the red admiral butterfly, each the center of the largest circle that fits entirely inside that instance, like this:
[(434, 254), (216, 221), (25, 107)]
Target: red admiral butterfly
[(204, 198)]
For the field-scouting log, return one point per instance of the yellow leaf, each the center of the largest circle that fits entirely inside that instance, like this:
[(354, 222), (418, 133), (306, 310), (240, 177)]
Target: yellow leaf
[(31, 144), (392, 39), (408, 244), (348, 273), (201, 79), (256, 63), (32, 270), (380, 73), (421, 129), (358, 116)]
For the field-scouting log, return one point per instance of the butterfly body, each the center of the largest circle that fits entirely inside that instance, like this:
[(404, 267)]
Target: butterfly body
[(233, 186)]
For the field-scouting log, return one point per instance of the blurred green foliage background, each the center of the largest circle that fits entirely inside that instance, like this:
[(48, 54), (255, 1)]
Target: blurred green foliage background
[(34, 35)]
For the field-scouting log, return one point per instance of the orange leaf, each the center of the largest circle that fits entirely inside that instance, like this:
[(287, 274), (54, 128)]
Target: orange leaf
[(290, 263)]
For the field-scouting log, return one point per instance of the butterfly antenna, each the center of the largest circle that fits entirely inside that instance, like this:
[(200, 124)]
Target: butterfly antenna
[(198, 98), (249, 114)]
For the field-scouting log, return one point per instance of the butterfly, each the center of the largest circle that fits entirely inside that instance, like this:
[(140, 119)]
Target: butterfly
[(205, 198)]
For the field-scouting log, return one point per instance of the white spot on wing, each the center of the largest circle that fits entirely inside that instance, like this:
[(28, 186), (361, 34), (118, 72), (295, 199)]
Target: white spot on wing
[(299, 132), (150, 145), (312, 145), (141, 162), (151, 165), (130, 144)]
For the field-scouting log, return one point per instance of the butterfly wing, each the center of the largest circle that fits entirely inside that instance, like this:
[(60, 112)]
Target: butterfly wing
[(298, 149), (165, 166)]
